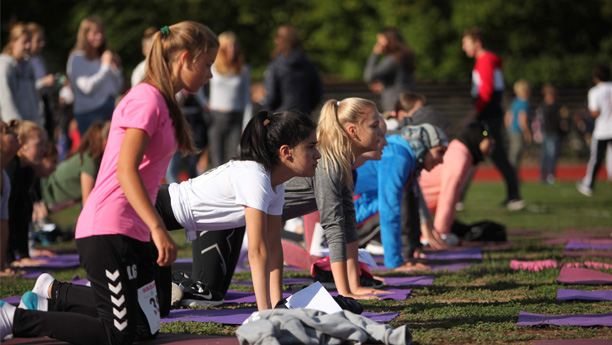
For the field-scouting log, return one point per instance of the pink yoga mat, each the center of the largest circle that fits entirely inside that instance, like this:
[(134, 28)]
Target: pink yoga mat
[(567, 294), (529, 319), (585, 276), (237, 316)]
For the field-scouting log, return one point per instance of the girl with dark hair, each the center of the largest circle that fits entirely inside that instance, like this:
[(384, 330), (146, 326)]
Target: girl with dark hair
[(394, 74), (247, 191), (119, 231)]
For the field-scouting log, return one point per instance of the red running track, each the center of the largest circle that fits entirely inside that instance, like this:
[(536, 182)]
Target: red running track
[(532, 174)]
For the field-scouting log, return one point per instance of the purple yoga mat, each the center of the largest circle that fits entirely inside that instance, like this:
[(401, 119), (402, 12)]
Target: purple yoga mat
[(286, 281), (580, 245), (395, 294), (405, 281), (585, 276), (438, 267), (59, 261), (567, 294), (529, 319), (591, 254), (564, 240), (14, 300), (237, 316), (574, 342), (474, 253), (233, 296)]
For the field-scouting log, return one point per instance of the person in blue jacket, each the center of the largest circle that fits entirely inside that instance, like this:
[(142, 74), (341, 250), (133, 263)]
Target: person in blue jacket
[(415, 148)]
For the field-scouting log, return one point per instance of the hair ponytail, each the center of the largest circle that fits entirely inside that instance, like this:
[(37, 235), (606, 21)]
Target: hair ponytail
[(335, 144), (197, 39), (267, 132)]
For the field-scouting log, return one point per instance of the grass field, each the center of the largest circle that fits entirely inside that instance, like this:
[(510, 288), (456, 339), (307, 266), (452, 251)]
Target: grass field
[(481, 304)]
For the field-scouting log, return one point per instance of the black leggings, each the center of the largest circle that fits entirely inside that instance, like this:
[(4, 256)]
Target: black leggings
[(215, 254), (107, 313)]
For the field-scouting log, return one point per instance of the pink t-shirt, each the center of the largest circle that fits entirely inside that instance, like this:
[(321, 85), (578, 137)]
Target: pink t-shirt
[(442, 185), (107, 210)]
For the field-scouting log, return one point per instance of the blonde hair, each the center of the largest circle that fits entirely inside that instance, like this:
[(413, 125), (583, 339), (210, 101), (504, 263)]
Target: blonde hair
[(521, 88), (82, 44), (24, 130), (196, 39), (334, 140), (17, 30), (223, 65)]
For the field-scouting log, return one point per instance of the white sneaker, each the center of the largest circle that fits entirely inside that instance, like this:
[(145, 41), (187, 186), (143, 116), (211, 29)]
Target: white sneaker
[(7, 315), (41, 288), (459, 206), (584, 190), (177, 294), (515, 204), (375, 248)]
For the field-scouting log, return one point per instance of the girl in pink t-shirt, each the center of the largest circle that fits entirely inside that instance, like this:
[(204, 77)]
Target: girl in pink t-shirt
[(118, 226)]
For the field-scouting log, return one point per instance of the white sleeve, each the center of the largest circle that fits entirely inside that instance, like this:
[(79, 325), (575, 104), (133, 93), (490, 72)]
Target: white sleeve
[(593, 104), (87, 83), (276, 205), (253, 190)]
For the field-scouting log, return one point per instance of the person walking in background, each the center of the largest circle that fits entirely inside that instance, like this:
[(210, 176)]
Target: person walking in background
[(487, 92), (230, 100), (19, 99), (95, 75), (291, 79), (394, 73), (517, 124), (138, 73), (549, 113), (600, 107), (44, 80)]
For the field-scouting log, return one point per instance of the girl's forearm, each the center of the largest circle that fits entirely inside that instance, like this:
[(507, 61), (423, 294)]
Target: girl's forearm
[(340, 274), (258, 258), (352, 265)]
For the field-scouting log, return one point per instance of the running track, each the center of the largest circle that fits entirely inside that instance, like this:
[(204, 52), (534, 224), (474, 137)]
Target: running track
[(488, 173)]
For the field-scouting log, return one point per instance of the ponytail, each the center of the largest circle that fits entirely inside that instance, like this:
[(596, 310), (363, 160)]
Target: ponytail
[(267, 132), (166, 47), (337, 154)]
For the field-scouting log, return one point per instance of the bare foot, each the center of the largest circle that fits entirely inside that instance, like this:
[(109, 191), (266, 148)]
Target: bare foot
[(26, 262), (43, 252), (9, 272), (411, 267)]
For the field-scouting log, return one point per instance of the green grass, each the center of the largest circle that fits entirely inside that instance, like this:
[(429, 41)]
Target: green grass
[(479, 305)]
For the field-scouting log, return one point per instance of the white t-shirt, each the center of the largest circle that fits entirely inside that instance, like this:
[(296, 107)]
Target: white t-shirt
[(216, 199), (600, 99)]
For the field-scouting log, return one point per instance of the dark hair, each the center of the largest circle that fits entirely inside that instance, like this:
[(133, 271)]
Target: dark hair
[(602, 72), (286, 40), (92, 142), (398, 48), (267, 132), (476, 34), (407, 100)]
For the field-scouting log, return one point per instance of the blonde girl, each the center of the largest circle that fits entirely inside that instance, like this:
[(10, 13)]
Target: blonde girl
[(346, 130)]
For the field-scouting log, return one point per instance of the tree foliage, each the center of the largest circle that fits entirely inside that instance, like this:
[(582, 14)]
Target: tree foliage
[(555, 41)]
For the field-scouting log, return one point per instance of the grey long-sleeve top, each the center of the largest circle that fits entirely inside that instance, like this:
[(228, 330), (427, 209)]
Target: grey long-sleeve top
[(334, 200), (395, 79), (19, 98)]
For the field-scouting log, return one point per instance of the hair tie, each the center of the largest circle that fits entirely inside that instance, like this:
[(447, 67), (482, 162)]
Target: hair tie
[(165, 31), (338, 104), (268, 118)]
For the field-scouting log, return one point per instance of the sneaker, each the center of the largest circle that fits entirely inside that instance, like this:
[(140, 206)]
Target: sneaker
[(515, 204), (550, 179), (459, 206), (177, 295), (7, 314), (31, 301), (584, 190), (375, 248), (197, 294), (41, 288)]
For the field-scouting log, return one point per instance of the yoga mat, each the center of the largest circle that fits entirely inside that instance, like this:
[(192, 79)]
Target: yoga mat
[(573, 342), (532, 266), (565, 240), (581, 245), (249, 297), (405, 281), (14, 300), (59, 261), (395, 294), (286, 281), (162, 338), (474, 253), (237, 316), (592, 254), (567, 294), (585, 276), (453, 267), (529, 319)]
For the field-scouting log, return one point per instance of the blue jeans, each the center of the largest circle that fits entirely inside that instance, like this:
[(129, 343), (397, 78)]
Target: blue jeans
[(548, 157), (100, 114)]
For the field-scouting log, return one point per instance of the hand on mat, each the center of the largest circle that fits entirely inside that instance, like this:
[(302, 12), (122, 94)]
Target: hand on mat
[(166, 248), (9, 272), (435, 241), (361, 296), (43, 252), (411, 267), (418, 254)]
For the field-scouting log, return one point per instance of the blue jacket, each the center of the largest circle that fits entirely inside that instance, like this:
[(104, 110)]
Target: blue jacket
[(380, 189)]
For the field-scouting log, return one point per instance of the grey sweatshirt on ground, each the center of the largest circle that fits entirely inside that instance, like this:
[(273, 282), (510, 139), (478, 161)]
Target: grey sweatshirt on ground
[(307, 326)]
